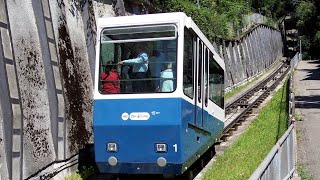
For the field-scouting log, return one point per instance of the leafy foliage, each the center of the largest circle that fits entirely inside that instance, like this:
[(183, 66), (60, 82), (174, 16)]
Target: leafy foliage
[(305, 11), (273, 8), (224, 18), (216, 19), (307, 17), (307, 14), (81, 174)]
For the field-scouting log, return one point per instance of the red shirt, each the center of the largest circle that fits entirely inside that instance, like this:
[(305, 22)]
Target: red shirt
[(111, 84)]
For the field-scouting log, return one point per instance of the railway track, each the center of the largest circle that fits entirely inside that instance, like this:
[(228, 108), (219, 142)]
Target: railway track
[(236, 113), (238, 110)]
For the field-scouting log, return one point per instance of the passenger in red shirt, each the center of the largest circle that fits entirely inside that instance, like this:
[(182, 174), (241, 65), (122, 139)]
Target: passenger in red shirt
[(110, 81)]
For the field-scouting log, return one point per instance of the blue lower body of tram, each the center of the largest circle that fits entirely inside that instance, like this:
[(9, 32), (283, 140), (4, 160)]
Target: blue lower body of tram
[(136, 126)]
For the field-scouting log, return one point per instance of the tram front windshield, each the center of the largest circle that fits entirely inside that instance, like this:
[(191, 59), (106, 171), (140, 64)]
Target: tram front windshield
[(140, 59)]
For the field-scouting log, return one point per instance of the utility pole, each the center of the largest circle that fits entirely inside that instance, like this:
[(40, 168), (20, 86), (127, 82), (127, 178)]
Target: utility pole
[(300, 37), (198, 4)]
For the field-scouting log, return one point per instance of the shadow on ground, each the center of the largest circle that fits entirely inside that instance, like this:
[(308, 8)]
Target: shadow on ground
[(307, 102), (311, 101), (313, 74)]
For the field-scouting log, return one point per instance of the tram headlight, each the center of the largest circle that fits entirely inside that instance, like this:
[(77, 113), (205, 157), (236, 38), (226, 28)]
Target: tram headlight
[(161, 147), (112, 147)]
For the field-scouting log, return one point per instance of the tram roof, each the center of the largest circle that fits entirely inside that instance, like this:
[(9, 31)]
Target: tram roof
[(139, 19)]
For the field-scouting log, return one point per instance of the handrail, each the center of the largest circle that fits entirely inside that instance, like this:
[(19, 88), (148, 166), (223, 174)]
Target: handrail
[(266, 162), (263, 168)]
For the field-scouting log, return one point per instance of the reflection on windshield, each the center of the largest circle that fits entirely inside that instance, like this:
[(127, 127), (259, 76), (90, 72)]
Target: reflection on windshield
[(137, 67)]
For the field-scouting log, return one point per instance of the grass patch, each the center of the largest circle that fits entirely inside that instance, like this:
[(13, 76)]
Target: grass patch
[(242, 158), (82, 174), (239, 88), (298, 134), (303, 173), (298, 117)]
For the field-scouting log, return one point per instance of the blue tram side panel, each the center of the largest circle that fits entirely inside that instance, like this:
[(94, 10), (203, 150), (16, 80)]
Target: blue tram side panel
[(178, 115)]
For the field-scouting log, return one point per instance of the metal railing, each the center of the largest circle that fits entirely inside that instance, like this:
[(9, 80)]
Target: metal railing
[(280, 163), (294, 61)]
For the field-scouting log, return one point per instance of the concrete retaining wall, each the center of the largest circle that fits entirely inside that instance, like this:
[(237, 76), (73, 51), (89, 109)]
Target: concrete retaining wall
[(251, 55), (46, 60)]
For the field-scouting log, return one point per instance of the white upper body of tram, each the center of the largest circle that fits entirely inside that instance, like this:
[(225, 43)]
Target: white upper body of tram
[(178, 22)]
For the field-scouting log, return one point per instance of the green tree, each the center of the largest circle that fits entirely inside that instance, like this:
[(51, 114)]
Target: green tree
[(307, 14), (216, 19), (274, 9)]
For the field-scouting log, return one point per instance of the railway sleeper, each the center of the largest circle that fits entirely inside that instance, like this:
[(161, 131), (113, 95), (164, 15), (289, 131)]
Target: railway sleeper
[(243, 105), (230, 132), (224, 137), (212, 153), (243, 118), (202, 163), (243, 101), (189, 175), (236, 127), (239, 123), (233, 129)]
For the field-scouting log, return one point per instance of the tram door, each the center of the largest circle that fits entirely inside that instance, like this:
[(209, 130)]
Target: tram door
[(201, 83)]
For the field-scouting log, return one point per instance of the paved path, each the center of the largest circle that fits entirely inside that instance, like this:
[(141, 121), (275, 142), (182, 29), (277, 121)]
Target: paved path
[(307, 97)]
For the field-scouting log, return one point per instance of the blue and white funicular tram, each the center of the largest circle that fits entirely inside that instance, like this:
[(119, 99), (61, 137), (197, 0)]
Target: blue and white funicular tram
[(178, 114)]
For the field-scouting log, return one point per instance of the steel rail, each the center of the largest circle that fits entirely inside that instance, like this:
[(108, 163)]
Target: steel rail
[(251, 91), (258, 100)]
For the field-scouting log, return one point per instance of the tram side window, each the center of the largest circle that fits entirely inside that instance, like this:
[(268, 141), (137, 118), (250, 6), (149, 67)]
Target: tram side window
[(188, 63), (110, 54), (206, 61), (216, 83), (199, 88)]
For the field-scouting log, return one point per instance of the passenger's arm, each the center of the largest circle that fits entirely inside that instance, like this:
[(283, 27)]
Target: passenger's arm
[(133, 61), (140, 59)]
